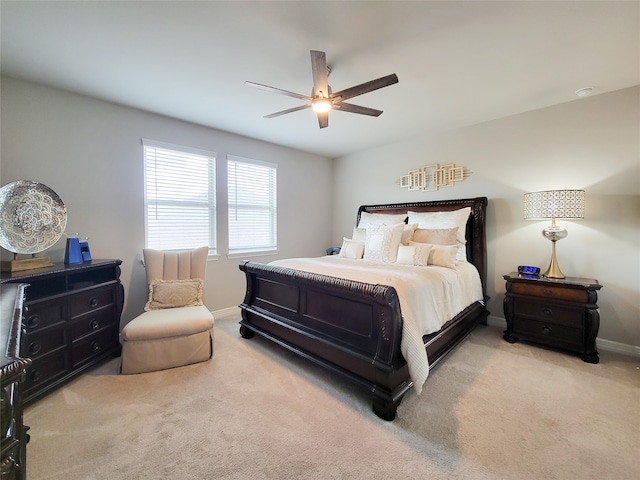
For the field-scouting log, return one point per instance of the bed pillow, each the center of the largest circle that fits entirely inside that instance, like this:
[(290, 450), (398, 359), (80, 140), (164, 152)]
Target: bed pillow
[(351, 248), (440, 255), (454, 218), (407, 233), (417, 255), (367, 219), (382, 242), (175, 293), (359, 234), (438, 236)]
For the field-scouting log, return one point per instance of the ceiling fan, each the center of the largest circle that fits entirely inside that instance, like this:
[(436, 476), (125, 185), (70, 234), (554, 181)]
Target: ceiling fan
[(322, 100)]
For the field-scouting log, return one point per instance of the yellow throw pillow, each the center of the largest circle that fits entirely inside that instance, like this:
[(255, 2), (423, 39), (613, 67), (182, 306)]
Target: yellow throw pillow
[(175, 293)]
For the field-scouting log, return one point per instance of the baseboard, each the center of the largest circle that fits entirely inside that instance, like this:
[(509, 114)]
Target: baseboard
[(496, 321), (226, 311), (617, 347), (601, 343)]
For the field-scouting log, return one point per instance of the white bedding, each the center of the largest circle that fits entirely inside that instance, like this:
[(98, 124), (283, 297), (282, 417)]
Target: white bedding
[(429, 296)]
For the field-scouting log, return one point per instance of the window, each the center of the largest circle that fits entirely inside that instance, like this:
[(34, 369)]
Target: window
[(252, 206), (179, 197)]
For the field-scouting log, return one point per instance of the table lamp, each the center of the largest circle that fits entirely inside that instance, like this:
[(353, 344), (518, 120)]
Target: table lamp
[(554, 204)]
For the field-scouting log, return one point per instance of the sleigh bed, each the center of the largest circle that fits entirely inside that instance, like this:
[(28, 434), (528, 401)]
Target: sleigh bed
[(355, 328)]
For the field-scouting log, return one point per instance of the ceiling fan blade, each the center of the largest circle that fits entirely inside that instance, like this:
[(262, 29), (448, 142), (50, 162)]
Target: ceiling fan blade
[(289, 110), (320, 75), (365, 87), (323, 119), (351, 108), (278, 90)]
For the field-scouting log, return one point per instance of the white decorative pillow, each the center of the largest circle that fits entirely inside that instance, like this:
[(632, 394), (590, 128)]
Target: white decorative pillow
[(407, 233), (351, 248), (454, 218), (359, 234), (367, 219), (413, 255), (175, 293), (382, 242), (438, 236), (440, 255)]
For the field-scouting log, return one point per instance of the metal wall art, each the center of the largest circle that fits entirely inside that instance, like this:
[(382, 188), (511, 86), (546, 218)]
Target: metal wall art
[(432, 177)]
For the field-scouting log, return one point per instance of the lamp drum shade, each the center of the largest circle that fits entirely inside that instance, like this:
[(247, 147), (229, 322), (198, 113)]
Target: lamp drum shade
[(554, 204)]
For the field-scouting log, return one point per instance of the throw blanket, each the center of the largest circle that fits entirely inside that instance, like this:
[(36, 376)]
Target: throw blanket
[(429, 296)]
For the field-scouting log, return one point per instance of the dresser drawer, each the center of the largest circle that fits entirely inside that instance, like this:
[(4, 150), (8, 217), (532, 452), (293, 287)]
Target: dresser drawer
[(45, 369), (550, 333), (91, 300), (94, 345), (550, 312), (546, 291), (92, 322), (43, 315), (36, 344)]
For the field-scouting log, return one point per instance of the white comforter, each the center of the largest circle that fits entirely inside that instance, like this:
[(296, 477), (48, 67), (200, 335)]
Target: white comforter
[(429, 296)]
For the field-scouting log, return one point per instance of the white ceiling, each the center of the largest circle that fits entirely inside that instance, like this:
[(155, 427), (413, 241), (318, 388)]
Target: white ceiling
[(459, 63)]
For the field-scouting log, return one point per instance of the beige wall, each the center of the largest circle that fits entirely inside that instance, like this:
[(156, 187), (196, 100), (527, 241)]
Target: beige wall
[(90, 153), (591, 143)]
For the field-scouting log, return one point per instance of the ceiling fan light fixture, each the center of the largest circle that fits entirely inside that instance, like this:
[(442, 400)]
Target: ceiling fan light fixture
[(321, 105), (322, 100)]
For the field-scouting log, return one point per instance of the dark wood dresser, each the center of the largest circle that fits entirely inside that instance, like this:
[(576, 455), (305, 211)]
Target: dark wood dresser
[(71, 321), (13, 433), (559, 313)]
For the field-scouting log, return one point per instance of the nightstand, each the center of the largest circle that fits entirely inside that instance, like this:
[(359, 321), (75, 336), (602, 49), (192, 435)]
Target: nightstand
[(558, 313)]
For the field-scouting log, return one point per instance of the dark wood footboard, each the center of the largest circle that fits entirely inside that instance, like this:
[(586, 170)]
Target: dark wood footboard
[(349, 327)]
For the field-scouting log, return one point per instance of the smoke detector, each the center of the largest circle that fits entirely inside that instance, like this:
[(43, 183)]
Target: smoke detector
[(584, 92)]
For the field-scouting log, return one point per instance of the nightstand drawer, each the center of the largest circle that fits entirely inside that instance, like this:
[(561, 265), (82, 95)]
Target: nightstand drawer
[(550, 333), (546, 291), (549, 312)]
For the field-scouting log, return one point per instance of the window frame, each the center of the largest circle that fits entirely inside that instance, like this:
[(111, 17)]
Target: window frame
[(273, 207), (211, 204)]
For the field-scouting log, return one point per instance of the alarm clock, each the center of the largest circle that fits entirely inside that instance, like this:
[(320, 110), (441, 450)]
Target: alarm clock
[(528, 270)]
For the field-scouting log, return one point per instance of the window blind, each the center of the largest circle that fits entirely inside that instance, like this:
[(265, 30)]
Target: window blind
[(252, 205), (180, 209)]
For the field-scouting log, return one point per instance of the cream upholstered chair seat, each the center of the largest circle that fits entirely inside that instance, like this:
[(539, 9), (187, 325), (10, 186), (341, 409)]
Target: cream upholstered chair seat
[(168, 334)]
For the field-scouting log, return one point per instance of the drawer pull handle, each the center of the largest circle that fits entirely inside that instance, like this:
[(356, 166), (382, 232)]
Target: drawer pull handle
[(546, 330), (34, 375), (95, 346), (33, 321), (546, 291), (35, 348), (93, 302), (546, 312), (94, 324)]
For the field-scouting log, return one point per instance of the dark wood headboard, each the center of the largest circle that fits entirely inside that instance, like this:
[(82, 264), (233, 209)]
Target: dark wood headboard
[(476, 225)]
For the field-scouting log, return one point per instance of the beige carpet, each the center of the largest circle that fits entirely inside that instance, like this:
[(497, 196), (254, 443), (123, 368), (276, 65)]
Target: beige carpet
[(491, 411)]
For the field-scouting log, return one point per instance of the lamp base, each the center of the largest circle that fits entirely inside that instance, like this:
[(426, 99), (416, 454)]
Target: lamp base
[(554, 270)]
